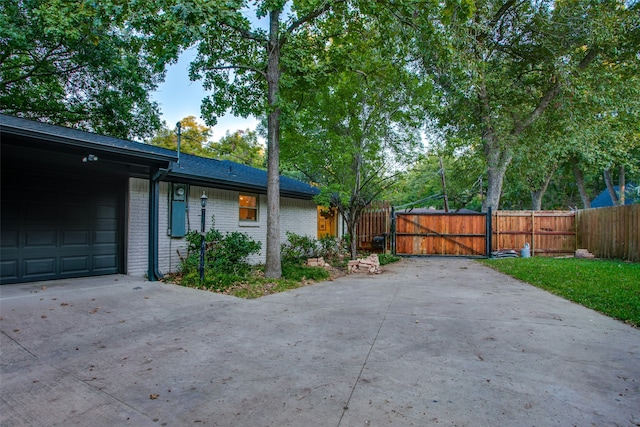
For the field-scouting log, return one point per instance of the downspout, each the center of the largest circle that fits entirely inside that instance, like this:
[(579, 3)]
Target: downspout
[(156, 176)]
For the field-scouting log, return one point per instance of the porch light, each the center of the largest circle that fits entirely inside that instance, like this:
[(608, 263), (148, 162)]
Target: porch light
[(203, 200)]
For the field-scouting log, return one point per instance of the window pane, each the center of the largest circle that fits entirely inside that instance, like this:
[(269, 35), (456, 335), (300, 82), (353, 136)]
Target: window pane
[(248, 201), (248, 214)]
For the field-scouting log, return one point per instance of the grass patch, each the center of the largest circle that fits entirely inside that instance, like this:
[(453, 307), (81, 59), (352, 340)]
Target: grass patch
[(610, 287), (387, 258)]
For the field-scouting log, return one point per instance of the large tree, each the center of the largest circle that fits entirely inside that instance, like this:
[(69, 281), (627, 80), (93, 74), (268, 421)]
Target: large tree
[(194, 137), (245, 49), (241, 146), (353, 128), (78, 63), (507, 64)]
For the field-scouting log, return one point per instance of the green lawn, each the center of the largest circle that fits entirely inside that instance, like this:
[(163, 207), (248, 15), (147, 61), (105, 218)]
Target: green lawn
[(610, 287)]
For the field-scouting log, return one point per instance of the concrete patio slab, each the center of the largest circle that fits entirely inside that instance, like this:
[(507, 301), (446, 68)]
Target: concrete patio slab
[(431, 341)]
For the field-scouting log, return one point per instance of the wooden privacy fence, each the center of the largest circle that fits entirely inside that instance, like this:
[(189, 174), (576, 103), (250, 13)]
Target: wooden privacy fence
[(375, 221), (606, 232), (612, 232), (549, 233)]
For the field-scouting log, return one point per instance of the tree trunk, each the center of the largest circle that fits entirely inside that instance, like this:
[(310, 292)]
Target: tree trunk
[(498, 160), (537, 195), (621, 186), (579, 177), (610, 188), (444, 187), (273, 268)]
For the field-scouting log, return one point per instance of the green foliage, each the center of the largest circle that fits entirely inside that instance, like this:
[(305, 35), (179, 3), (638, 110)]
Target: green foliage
[(241, 147), (81, 64), (226, 258), (610, 287), (515, 65), (387, 259), (194, 138), (300, 272), (329, 247), (298, 248)]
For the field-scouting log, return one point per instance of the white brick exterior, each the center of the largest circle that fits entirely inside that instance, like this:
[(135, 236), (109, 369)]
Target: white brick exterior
[(298, 216)]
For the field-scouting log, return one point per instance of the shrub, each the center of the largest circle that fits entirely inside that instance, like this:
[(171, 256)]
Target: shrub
[(229, 255), (226, 258), (387, 258), (298, 248), (329, 247)]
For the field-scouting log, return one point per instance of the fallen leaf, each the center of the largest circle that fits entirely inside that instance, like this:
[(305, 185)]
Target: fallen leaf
[(154, 396)]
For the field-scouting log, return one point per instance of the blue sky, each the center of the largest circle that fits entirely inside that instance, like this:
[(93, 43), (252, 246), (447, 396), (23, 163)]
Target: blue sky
[(178, 98)]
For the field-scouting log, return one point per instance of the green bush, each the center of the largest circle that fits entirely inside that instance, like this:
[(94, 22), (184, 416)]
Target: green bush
[(387, 258), (298, 248), (329, 247), (225, 258)]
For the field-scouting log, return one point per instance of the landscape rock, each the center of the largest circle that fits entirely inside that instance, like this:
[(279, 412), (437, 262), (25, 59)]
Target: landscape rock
[(317, 262), (584, 253), (370, 265)]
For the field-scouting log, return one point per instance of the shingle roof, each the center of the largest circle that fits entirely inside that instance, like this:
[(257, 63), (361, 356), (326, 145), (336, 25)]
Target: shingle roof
[(204, 171), (75, 137), (228, 174)]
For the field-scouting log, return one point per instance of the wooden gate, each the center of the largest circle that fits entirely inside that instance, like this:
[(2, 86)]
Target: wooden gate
[(457, 234)]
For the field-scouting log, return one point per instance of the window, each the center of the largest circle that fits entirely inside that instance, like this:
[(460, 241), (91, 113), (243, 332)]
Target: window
[(248, 207)]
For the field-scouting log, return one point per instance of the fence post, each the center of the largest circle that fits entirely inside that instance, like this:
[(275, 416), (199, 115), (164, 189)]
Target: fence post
[(489, 232), (393, 230)]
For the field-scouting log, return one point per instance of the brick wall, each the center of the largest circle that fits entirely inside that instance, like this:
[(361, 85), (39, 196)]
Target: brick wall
[(137, 227), (298, 216)]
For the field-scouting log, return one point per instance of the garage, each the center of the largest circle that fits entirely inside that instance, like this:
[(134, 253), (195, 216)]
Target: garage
[(63, 200), (57, 227), (58, 224)]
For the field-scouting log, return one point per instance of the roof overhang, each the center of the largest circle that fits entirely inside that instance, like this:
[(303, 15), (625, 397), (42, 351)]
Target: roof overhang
[(42, 138)]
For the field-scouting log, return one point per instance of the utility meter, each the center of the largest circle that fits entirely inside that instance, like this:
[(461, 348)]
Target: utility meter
[(178, 210)]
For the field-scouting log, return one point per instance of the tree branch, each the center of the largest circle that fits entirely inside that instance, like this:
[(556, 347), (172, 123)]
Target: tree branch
[(551, 93), (245, 34), (240, 67), (328, 4)]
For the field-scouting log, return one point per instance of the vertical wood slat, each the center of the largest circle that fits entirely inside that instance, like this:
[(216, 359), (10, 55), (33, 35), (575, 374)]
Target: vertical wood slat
[(374, 221), (612, 232)]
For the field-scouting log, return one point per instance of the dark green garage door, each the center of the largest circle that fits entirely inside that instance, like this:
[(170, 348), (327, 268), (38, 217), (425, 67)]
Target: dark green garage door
[(58, 227)]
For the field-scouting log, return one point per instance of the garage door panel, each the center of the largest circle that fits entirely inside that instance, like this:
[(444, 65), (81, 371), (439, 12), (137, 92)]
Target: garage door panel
[(104, 262), (75, 238), (105, 237), (9, 269), (40, 238), (76, 264), (38, 267)]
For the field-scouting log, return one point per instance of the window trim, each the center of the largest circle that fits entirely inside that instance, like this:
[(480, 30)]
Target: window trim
[(249, 208)]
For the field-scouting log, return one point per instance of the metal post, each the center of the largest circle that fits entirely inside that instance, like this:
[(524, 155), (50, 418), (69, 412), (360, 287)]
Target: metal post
[(489, 232), (203, 213)]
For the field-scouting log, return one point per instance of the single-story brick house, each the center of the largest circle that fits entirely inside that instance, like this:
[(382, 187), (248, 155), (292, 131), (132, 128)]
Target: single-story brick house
[(78, 204)]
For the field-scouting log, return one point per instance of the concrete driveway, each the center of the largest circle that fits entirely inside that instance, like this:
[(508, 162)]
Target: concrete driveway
[(431, 341)]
